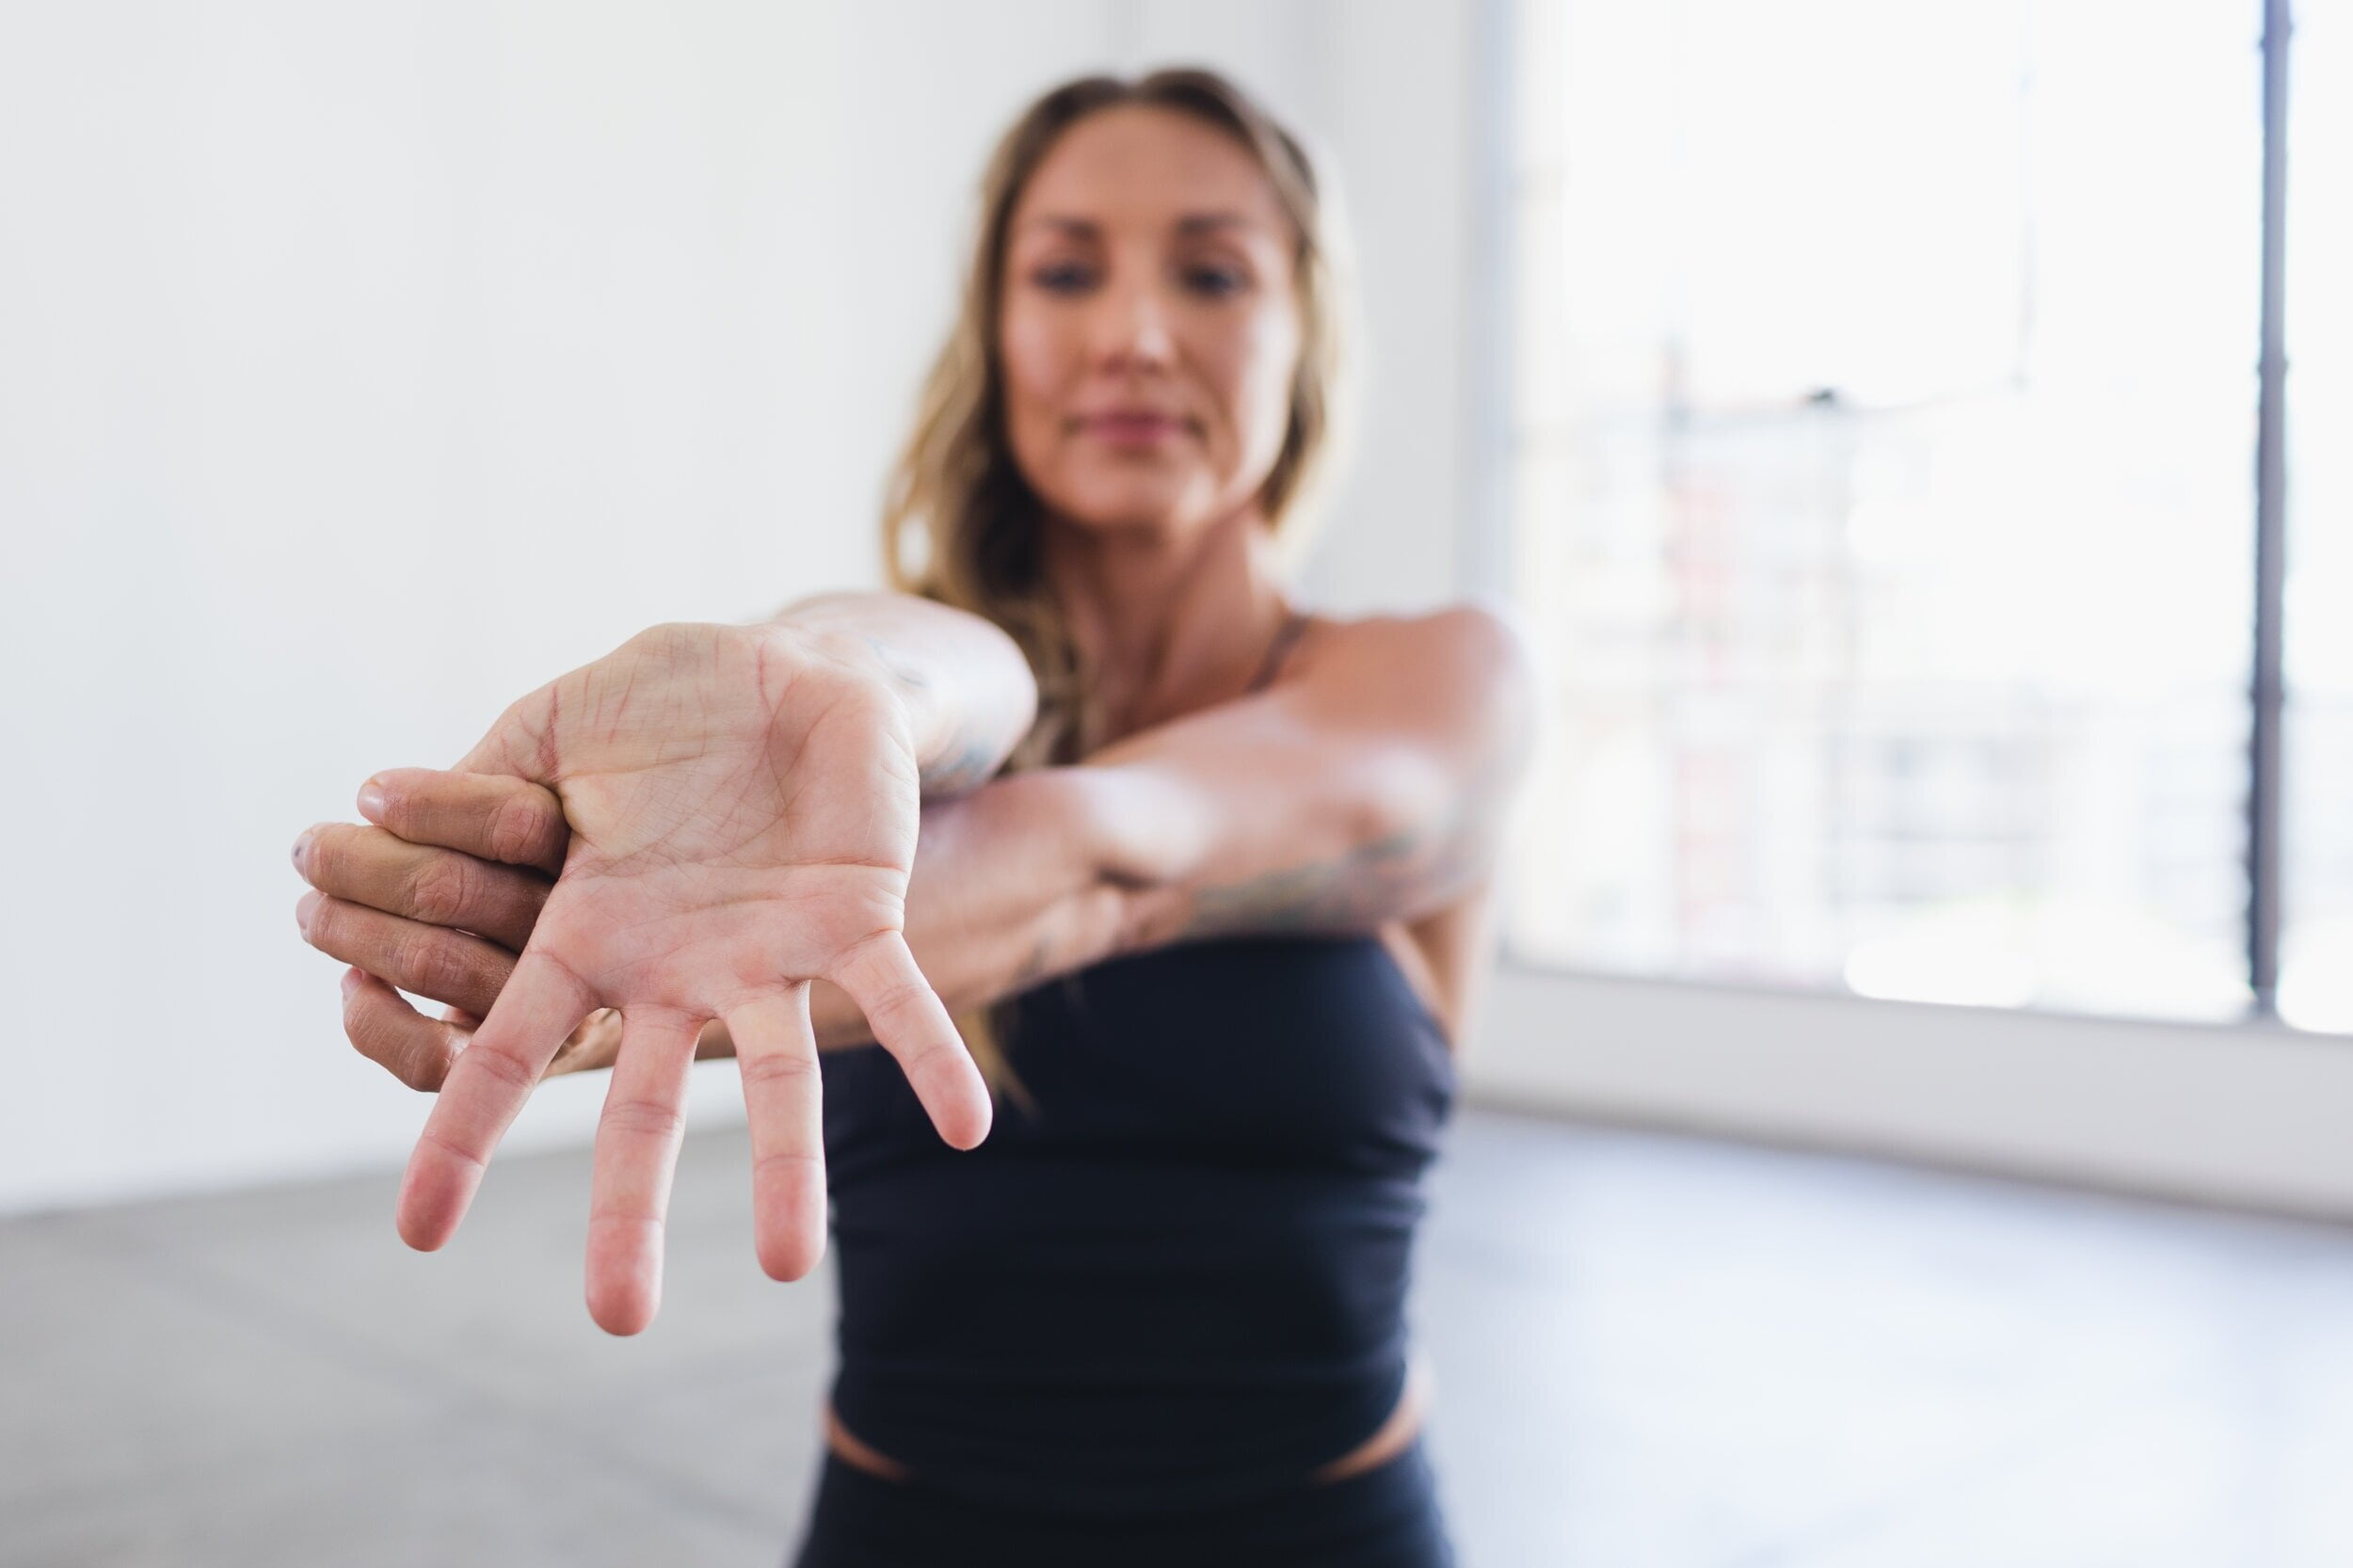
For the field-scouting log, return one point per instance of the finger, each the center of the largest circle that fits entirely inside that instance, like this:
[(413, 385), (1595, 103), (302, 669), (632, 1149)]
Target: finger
[(637, 1143), (911, 1021), (424, 960), (490, 815), (439, 887), (383, 1027), (486, 1085), (776, 1049)]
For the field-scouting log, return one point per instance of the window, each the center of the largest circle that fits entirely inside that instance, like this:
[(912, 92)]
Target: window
[(1884, 420)]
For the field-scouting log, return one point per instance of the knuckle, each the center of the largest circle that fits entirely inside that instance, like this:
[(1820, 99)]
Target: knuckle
[(930, 1049), (509, 1071), (410, 1049), (451, 1149), (441, 890), (360, 1025), (518, 832), (897, 997), (884, 983), (440, 965), (650, 1118), (670, 636), (760, 1071), (424, 1064)]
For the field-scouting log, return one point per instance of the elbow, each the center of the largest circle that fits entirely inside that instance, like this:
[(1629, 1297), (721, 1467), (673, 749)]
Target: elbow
[(1405, 801), (1418, 843), (1136, 830), (1143, 842)]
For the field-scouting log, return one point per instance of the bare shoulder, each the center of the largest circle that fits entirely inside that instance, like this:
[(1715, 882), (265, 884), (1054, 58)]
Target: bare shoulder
[(1472, 635), (1461, 679)]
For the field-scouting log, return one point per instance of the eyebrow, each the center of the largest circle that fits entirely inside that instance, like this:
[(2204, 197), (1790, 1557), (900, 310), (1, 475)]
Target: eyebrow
[(1192, 223)]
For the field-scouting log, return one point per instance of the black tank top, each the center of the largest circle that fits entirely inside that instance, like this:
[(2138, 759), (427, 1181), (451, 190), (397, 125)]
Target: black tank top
[(1179, 1278)]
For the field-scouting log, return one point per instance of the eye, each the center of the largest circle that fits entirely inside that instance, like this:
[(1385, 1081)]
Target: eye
[(1061, 277), (1216, 283)]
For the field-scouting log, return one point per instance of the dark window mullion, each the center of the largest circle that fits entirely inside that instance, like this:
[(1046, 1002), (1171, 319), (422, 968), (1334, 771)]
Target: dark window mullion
[(2264, 772)]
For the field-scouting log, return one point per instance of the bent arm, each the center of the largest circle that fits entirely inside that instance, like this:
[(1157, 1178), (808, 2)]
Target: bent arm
[(1371, 792), (1373, 787), (968, 691)]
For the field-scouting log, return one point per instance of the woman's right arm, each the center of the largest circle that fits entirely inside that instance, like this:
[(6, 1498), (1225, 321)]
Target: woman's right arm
[(478, 853), (438, 894)]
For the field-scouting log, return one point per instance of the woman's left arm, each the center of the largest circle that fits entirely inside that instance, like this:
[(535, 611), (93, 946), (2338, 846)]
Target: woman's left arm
[(964, 681), (1369, 787)]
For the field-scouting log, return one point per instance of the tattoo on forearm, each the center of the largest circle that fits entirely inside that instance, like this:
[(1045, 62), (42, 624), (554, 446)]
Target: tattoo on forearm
[(1356, 890), (1352, 892), (906, 675), (958, 770), (970, 762)]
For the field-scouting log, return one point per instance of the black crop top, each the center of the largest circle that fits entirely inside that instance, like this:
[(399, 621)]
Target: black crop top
[(1182, 1281)]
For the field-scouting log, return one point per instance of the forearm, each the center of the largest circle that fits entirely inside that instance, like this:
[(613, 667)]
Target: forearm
[(1370, 789), (970, 694), (1275, 850), (1007, 890)]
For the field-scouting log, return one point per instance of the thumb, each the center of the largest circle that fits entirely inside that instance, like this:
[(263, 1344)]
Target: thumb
[(522, 743)]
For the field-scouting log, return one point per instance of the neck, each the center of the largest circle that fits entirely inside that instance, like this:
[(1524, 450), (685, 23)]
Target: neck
[(1166, 624)]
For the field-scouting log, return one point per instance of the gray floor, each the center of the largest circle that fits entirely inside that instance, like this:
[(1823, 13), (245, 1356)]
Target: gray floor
[(1649, 1351)]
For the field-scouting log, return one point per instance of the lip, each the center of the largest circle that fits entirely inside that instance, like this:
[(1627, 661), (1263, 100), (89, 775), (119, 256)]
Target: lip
[(1137, 427)]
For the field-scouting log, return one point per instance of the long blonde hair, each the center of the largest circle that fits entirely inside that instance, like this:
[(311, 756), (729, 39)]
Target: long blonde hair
[(958, 496)]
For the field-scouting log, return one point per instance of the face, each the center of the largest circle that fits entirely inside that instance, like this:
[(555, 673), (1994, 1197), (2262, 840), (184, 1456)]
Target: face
[(1148, 331)]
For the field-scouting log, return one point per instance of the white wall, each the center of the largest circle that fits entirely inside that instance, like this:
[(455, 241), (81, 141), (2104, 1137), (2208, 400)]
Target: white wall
[(2248, 1116), (360, 368)]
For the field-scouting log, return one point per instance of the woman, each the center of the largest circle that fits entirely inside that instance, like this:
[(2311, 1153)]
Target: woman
[(1204, 878)]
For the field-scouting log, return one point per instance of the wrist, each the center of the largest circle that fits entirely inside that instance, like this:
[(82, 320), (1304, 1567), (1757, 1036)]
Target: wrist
[(961, 683), (864, 660)]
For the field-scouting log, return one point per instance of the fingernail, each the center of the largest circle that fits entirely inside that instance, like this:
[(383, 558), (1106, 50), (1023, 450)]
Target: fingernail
[(304, 910), (300, 844), (372, 802), (351, 978)]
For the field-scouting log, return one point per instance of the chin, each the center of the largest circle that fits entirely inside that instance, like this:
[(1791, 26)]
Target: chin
[(1132, 499)]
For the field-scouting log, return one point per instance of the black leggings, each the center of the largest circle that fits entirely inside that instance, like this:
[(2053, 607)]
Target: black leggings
[(1384, 1517)]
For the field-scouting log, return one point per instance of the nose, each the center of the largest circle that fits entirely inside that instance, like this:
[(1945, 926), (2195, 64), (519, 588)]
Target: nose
[(1131, 328)]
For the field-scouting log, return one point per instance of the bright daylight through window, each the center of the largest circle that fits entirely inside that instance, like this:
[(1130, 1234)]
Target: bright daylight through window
[(1883, 418)]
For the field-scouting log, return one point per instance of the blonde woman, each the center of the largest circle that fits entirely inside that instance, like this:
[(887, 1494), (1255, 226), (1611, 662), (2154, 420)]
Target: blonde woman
[(1164, 897)]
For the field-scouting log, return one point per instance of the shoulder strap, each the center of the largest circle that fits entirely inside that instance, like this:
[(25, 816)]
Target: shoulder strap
[(1296, 623)]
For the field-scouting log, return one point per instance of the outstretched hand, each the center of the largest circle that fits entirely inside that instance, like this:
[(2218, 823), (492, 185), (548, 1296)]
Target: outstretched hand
[(743, 803)]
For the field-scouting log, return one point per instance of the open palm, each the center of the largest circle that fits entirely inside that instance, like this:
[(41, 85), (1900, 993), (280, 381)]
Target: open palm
[(744, 807)]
